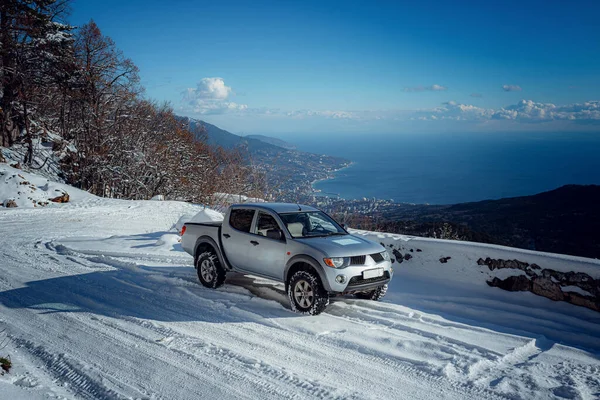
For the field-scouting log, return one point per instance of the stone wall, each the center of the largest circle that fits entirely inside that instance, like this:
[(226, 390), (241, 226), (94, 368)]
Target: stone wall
[(573, 287)]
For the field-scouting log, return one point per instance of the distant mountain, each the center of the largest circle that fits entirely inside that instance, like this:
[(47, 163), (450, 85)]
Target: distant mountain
[(565, 220), (273, 141), (220, 137), (289, 172)]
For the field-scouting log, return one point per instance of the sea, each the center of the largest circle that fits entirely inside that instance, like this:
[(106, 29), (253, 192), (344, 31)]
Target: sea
[(448, 168)]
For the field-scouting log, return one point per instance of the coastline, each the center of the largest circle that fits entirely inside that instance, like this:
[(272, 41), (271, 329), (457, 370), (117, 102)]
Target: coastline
[(316, 191)]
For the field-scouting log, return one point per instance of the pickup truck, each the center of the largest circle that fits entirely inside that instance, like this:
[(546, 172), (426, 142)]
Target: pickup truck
[(298, 245)]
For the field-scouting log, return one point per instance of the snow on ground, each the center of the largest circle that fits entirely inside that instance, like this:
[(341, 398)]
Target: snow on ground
[(99, 302), (29, 190)]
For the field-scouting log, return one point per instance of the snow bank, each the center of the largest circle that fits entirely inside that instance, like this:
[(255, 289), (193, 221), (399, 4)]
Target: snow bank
[(26, 190), (206, 215)]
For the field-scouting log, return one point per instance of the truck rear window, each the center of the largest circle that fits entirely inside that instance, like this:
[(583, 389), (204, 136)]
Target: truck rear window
[(241, 219)]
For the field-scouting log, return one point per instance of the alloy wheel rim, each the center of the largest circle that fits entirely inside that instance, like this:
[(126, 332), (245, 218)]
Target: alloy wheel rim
[(303, 293), (207, 270)]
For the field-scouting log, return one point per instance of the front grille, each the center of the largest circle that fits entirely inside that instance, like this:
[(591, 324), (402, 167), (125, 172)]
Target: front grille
[(358, 260), (377, 257), (358, 280)]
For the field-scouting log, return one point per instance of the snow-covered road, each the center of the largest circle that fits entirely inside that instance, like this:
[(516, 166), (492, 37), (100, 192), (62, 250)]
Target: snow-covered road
[(98, 303)]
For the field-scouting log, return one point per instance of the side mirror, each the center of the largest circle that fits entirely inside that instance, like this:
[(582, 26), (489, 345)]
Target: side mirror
[(276, 234)]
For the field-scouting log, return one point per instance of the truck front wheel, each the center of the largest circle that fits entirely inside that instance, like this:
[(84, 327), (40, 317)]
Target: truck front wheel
[(306, 293), (210, 271)]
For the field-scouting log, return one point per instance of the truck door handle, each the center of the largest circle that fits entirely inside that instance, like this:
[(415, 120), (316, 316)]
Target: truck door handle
[(226, 235), (254, 242)]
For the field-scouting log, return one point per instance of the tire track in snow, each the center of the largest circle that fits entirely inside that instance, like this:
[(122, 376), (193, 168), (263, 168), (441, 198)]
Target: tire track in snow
[(406, 325), (180, 343), (366, 356), (494, 371), (68, 373)]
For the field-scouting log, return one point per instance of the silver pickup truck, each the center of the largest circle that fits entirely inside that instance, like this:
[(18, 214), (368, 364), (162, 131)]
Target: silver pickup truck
[(298, 245)]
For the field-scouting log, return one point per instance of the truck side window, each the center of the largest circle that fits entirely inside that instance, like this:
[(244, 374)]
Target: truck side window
[(241, 219), (264, 223)]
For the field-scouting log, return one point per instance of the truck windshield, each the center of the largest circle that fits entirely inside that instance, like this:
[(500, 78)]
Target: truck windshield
[(311, 224)]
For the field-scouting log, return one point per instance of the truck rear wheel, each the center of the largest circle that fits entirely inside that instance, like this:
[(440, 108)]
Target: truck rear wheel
[(210, 271), (306, 293), (375, 294)]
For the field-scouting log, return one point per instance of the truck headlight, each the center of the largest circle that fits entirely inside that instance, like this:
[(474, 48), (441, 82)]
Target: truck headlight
[(385, 255), (337, 262)]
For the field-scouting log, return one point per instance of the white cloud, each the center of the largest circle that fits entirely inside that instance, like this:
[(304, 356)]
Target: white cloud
[(511, 88), (530, 111), (210, 97), (454, 111), (434, 88), (210, 88), (324, 114), (523, 111)]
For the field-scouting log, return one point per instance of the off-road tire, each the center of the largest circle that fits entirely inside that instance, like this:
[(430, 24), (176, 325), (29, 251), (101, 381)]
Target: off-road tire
[(375, 294), (316, 298), (210, 271)]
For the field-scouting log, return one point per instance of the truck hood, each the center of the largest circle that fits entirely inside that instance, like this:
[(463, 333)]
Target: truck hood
[(342, 246)]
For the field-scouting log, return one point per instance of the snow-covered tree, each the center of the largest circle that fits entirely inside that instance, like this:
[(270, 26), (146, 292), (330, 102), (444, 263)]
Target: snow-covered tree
[(34, 49)]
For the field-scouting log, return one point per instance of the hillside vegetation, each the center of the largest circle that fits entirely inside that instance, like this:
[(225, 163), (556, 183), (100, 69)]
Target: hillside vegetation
[(73, 91)]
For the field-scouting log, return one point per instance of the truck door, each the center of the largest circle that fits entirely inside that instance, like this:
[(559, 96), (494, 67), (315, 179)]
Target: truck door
[(236, 237), (267, 254)]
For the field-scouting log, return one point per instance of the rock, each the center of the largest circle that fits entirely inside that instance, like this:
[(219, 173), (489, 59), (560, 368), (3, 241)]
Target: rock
[(10, 203), (419, 250), (16, 165), (519, 283), (399, 256), (444, 260), (535, 266), (481, 261), (543, 286), (407, 256), (530, 273), (2, 159), (411, 250), (583, 301), (63, 198)]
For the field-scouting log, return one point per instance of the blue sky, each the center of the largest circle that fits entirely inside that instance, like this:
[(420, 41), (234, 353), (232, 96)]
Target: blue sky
[(364, 66)]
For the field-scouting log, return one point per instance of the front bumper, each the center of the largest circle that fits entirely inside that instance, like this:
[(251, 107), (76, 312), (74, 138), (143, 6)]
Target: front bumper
[(353, 277)]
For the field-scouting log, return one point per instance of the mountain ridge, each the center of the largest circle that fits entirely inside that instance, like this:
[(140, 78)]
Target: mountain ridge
[(563, 220)]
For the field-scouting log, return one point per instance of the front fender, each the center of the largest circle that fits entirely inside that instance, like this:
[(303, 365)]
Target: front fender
[(313, 263)]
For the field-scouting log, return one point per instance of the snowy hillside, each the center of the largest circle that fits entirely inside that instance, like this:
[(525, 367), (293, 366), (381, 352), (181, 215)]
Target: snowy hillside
[(98, 300), (21, 189)]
